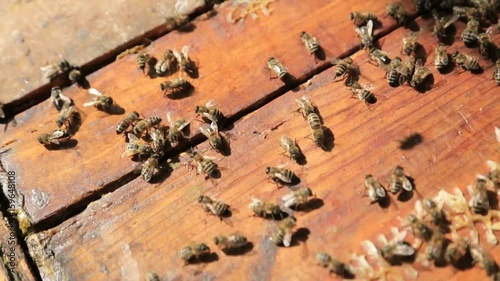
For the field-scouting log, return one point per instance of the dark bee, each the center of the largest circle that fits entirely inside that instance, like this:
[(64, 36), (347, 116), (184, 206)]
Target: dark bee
[(185, 63), (296, 198), (175, 86), (59, 100), (346, 68), (438, 216), (419, 228), (436, 247), (392, 73), (284, 232), (464, 61), (457, 251), (214, 206), (310, 42), (55, 137), (166, 64), (334, 265), (125, 123), (149, 167), (193, 250), (380, 57), (398, 12), (466, 13), (410, 44), (486, 47), (469, 35), (440, 57), (365, 34), (75, 76), (210, 112), (441, 26), (362, 93), (397, 251), (145, 124), (142, 61), (479, 193), (281, 174), (67, 116), (361, 18), (374, 190), (290, 146), (277, 68), (420, 74), (99, 101), (212, 134)]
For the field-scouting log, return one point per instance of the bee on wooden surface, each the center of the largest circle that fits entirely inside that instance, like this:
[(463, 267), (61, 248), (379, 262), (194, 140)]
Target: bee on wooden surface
[(421, 73), (51, 71), (496, 72), (75, 76), (314, 121), (362, 93), (151, 276), (214, 138), (419, 228), (479, 193), (185, 63), (175, 86), (136, 147), (406, 70), (318, 137), (175, 131), (464, 61), (146, 124), (396, 252), (204, 164), (441, 26), (469, 35), (126, 122), (167, 63), (233, 241), (291, 147), (277, 68), (438, 217), (485, 260), (143, 60), (334, 265), (149, 167), (59, 100), (466, 13), (399, 181), (176, 21), (134, 50), (440, 57), (345, 68), (159, 140), (265, 209), (215, 207), (398, 12), (284, 232), (361, 18), (280, 174), (306, 106), (486, 47), (296, 198), (457, 251), (365, 34), (193, 250), (99, 101), (210, 112), (436, 247), (410, 44), (494, 173), (310, 42), (68, 116), (373, 189), (55, 137), (392, 73), (380, 57)]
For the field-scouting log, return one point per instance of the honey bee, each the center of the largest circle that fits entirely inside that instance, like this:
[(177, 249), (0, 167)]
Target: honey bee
[(456, 251), (494, 173), (441, 57), (392, 73), (436, 247), (265, 209), (362, 93), (485, 260), (214, 138), (296, 198), (146, 124), (59, 100), (398, 12), (142, 60), (464, 61), (51, 71), (75, 76), (136, 147), (152, 277), (496, 72), (125, 123), (99, 101), (204, 164), (410, 44), (469, 35), (210, 112), (397, 251), (185, 63), (421, 73), (175, 131), (149, 167), (486, 47), (376, 192), (345, 68), (280, 174), (176, 86), (467, 13), (361, 18), (310, 42), (134, 50), (419, 228), (277, 68), (306, 106), (167, 63), (379, 56), (314, 121), (176, 21), (318, 137), (333, 265), (291, 147), (67, 116), (399, 181), (406, 69), (438, 217), (365, 34), (159, 140), (55, 137), (193, 250), (479, 193), (233, 241), (284, 232), (214, 206), (441, 25)]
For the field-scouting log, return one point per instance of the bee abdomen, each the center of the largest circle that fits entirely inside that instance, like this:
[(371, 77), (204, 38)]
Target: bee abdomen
[(278, 237), (314, 121), (208, 166), (469, 37), (220, 208)]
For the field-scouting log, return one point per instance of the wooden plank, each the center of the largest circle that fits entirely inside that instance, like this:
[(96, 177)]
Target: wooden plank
[(87, 34), (223, 52), (144, 224)]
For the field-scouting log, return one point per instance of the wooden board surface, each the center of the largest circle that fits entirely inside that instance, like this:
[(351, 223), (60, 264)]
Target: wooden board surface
[(144, 225), (85, 33), (245, 47)]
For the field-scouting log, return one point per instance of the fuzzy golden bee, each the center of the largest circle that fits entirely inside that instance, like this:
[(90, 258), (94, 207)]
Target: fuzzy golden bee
[(284, 232), (399, 181), (159, 140), (280, 174), (479, 193), (441, 59), (56, 137), (136, 147), (265, 209), (406, 69), (465, 62), (126, 122), (361, 18), (175, 86), (334, 265), (68, 116), (296, 198), (149, 167), (291, 148), (436, 247), (214, 137), (374, 189), (277, 68), (142, 60), (193, 251), (230, 242), (167, 63), (305, 106), (99, 101), (456, 251), (176, 127), (310, 42), (146, 124), (210, 112)]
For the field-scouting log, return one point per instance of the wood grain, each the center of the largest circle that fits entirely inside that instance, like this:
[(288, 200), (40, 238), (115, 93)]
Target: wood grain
[(231, 60), (141, 226)]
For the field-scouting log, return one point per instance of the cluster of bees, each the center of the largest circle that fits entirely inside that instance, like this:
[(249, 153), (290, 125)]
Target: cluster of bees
[(52, 71)]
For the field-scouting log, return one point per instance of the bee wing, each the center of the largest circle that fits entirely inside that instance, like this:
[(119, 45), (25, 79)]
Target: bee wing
[(380, 191), (289, 200), (210, 117), (211, 103), (177, 55), (184, 124), (57, 134), (214, 127), (129, 153), (287, 239), (185, 51), (369, 27), (205, 130), (132, 138), (407, 184), (451, 21), (228, 221), (402, 249), (282, 178), (94, 92), (90, 103)]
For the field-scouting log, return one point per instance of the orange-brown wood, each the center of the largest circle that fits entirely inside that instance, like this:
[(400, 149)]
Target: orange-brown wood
[(140, 227), (231, 60), (86, 34)]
